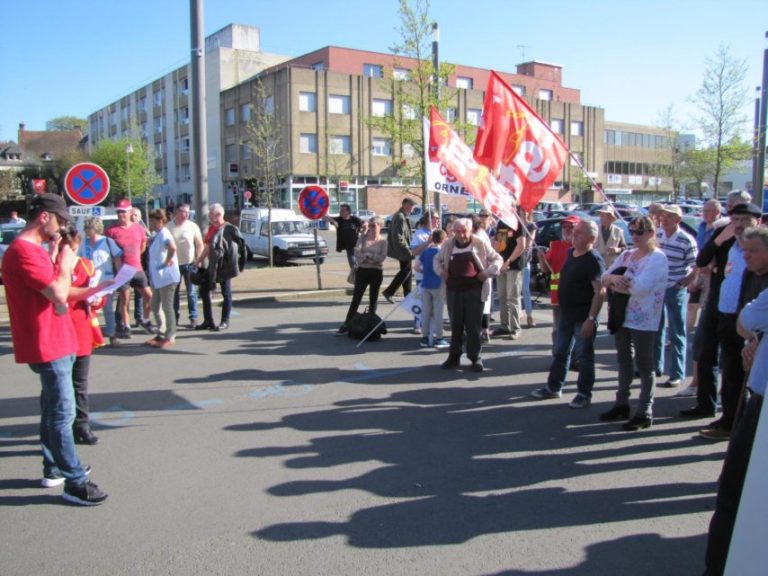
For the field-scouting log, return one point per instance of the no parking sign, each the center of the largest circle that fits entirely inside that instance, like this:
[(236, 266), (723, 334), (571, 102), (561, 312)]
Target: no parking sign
[(313, 202), (86, 184)]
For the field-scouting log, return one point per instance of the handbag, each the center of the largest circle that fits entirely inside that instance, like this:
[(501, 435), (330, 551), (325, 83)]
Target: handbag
[(352, 276), (198, 275), (617, 305)]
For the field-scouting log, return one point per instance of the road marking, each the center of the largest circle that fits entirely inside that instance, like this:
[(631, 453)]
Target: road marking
[(286, 389), (106, 418)]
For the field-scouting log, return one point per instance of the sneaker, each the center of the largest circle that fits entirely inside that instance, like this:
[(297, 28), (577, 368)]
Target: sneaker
[(671, 383), (477, 366), (544, 393), (416, 327), (424, 342), (715, 433), (87, 494), (451, 363), (442, 343), (485, 337), (687, 392), (619, 412), (514, 335), (638, 422), (580, 401), (147, 325), (51, 480)]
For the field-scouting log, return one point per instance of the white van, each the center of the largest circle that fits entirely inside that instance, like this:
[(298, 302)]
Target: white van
[(292, 235)]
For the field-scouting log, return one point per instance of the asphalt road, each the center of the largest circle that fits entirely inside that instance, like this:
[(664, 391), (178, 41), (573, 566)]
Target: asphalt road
[(276, 448)]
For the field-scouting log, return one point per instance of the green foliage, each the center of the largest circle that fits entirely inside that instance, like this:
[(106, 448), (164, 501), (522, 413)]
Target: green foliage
[(62, 123), (130, 174)]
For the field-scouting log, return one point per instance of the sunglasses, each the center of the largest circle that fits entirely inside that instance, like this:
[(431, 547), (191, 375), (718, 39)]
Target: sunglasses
[(637, 231)]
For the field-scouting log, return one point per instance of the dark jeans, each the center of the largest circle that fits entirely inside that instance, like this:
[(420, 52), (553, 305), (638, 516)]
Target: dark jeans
[(226, 307), (80, 371), (402, 278), (569, 339), (364, 278), (731, 484), (191, 291), (466, 318), (705, 350), (732, 369), (634, 349)]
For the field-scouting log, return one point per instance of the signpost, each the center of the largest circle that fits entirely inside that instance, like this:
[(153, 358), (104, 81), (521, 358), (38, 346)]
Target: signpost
[(314, 204), (86, 184)]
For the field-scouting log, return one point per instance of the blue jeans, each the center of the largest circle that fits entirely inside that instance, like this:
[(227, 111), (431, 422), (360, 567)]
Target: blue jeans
[(567, 340), (191, 290), (675, 312), (57, 405), (226, 306)]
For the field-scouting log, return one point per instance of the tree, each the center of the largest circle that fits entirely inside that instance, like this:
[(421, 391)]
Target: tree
[(62, 123), (264, 141), (412, 97), (721, 100), (670, 157), (697, 166), (131, 174)]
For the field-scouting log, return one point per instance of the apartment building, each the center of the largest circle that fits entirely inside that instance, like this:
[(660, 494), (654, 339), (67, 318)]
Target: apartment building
[(326, 102)]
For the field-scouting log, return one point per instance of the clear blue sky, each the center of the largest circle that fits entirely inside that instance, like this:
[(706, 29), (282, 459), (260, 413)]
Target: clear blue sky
[(71, 57)]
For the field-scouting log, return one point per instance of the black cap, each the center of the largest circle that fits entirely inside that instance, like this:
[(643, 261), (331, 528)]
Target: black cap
[(750, 209), (49, 202)]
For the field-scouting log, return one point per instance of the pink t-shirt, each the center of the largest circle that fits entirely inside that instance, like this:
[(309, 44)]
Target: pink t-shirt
[(38, 334), (132, 240)]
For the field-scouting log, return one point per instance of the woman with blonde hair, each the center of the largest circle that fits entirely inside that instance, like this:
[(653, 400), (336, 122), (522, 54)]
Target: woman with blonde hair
[(644, 279)]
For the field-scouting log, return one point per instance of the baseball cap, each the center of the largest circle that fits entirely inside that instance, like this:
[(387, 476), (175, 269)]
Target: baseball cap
[(52, 203), (571, 220), (750, 209), (123, 204), (672, 209)]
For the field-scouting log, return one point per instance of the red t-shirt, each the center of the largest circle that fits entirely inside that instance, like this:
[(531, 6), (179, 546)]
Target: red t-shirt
[(132, 240), (211, 233), (38, 334), (80, 311)]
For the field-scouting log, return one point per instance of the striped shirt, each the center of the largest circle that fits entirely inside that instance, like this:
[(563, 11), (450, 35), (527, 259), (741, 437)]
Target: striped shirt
[(680, 250)]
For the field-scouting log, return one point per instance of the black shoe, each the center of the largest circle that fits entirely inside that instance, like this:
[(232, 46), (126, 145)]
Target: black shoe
[(451, 363), (501, 332), (638, 422), (85, 436), (616, 413), (697, 412), (388, 297), (87, 494), (123, 332), (477, 366), (204, 326), (148, 328), (343, 329)]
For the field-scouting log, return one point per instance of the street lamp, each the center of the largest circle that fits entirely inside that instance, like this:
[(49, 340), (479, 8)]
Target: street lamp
[(128, 152)]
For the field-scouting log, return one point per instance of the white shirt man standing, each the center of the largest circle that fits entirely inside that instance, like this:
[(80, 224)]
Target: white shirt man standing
[(189, 244)]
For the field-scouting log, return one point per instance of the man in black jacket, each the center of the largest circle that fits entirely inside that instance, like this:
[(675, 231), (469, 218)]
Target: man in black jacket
[(347, 231), (399, 248)]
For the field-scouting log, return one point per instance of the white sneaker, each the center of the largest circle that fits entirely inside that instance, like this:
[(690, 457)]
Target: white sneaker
[(687, 392)]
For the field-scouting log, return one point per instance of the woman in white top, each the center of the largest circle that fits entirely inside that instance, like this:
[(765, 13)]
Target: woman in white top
[(644, 281), (107, 258), (164, 275)]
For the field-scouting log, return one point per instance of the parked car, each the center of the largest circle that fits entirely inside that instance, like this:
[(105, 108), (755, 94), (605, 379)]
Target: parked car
[(292, 237), (364, 214), (8, 233)]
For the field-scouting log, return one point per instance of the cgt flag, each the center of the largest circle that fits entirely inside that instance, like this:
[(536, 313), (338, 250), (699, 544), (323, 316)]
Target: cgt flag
[(515, 143), (456, 156)]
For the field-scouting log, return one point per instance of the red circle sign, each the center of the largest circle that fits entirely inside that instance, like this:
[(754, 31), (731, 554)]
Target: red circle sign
[(86, 184), (247, 194), (313, 202)]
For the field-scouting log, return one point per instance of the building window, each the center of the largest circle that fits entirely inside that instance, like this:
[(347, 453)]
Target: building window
[(473, 116), (409, 112), (307, 102), (401, 74), (184, 145), (408, 151), (245, 151), (382, 147), (338, 104), (318, 66), (158, 125), (577, 128), (185, 173), (269, 105), (381, 107), (464, 83), (308, 143), (158, 98), (518, 89), (229, 116), (142, 104), (614, 178), (577, 156), (450, 114), (245, 113), (158, 149), (184, 115), (113, 118), (545, 94), (557, 125), (339, 145), (144, 133), (373, 70), (230, 152)]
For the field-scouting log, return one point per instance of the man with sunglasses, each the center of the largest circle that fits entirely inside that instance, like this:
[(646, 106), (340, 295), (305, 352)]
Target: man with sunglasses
[(37, 272)]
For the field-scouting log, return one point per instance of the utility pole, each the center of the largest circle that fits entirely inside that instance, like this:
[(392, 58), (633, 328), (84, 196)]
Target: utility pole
[(199, 132), (436, 94), (760, 158)]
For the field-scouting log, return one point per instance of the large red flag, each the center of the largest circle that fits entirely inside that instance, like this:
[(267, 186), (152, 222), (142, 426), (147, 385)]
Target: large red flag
[(516, 144), (450, 149)]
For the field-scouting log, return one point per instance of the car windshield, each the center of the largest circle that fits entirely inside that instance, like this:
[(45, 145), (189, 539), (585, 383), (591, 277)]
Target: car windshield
[(288, 227), (9, 234)]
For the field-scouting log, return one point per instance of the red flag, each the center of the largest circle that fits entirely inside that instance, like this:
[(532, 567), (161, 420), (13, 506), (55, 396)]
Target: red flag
[(515, 143), (39, 185), (448, 147)]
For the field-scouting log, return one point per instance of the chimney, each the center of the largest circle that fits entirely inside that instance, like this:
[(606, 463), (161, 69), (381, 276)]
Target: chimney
[(21, 135)]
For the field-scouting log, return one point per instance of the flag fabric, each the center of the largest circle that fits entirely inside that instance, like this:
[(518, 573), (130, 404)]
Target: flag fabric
[(39, 185), (456, 156), (517, 145), (439, 179), (412, 303)]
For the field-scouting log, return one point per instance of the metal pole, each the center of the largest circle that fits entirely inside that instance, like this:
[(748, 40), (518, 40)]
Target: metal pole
[(128, 170), (756, 141), (198, 127), (436, 92), (759, 182)]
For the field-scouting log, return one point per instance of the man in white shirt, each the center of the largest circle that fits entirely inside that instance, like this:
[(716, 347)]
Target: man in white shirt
[(189, 245)]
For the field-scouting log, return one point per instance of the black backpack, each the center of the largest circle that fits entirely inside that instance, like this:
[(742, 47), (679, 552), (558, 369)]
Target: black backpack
[(617, 305), (361, 324)]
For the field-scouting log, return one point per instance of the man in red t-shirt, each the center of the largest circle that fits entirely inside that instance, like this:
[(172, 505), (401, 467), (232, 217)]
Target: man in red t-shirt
[(38, 288), (132, 239), (553, 261)]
